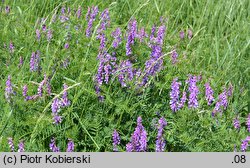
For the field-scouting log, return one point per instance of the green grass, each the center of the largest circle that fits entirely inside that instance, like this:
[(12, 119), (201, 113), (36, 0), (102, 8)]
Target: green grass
[(219, 50)]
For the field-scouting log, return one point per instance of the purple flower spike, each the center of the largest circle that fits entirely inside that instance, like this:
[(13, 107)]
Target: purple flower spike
[(66, 46), (38, 35), (8, 90), (11, 47), (248, 122), (55, 106), (117, 37), (34, 61), (244, 144), (160, 141), (7, 9), (190, 33), (49, 35), (79, 12), (138, 142), (11, 144), (142, 35), (174, 56), (116, 140), (209, 94), (174, 95), (53, 146), (193, 92), (90, 17), (65, 100), (221, 103), (236, 123), (125, 72), (21, 146), (183, 100), (131, 34), (20, 62), (70, 146), (25, 90), (182, 35)]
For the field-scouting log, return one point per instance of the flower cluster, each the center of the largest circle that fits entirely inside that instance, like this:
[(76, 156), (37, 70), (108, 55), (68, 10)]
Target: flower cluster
[(57, 104), (244, 144), (174, 95), (53, 146), (34, 61), (193, 92), (90, 17), (116, 140), (248, 122), (9, 89), (160, 141), (209, 94), (117, 37), (12, 146), (221, 103), (131, 34), (236, 123), (70, 146), (138, 142)]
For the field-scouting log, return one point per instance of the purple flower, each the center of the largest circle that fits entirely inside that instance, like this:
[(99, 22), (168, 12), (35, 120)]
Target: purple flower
[(40, 88), (34, 61), (193, 92), (11, 47), (182, 35), (125, 72), (129, 147), (90, 17), (116, 140), (44, 27), (244, 144), (142, 34), (64, 18), (66, 46), (131, 34), (230, 90), (183, 100), (174, 95), (8, 89), (48, 86), (160, 141), (65, 100), (236, 123), (221, 103), (63, 10), (21, 146), (248, 122), (117, 37), (38, 35), (70, 146), (174, 56), (7, 9), (55, 106), (209, 94), (53, 146), (25, 89), (20, 62), (138, 142), (105, 70), (49, 35), (190, 33), (11, 144), (79, 12)]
